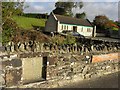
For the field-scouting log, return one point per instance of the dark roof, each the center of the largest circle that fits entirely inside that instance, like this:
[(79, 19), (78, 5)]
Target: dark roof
[(71, 20)]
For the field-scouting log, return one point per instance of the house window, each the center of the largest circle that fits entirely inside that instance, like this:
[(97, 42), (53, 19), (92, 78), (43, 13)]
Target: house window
[(82, 29), (67, 27), (88, 30)]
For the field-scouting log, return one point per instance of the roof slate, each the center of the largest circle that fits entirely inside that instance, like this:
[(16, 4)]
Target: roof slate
[(74, 21)]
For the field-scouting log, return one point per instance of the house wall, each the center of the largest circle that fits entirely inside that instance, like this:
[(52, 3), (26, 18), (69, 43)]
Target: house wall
[(51, 24), (85, 32), (80, 29)]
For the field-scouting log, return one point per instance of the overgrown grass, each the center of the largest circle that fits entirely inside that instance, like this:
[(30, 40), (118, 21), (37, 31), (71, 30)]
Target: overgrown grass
[(26, 22)]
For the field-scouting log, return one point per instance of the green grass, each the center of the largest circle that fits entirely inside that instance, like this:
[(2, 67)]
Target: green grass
[(26, 22)]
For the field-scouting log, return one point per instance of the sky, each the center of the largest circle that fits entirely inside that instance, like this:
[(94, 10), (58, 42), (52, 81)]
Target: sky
[(91, 7)]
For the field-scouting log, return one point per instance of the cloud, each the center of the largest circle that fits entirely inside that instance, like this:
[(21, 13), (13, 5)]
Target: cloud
[(110, 9), (34, 9), (39, 7)]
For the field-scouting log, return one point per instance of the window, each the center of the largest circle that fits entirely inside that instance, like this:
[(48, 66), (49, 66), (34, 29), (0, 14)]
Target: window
[(82, 29), (88, 30), (67, 27)]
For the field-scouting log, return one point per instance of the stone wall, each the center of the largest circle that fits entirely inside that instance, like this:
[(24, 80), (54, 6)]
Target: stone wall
[(82, 47), (19, 69), (66, 67), (11, 70), (61, 69), (65, 70)]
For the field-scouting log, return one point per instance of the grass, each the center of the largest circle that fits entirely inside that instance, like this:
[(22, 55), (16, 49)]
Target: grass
[(26, 22)]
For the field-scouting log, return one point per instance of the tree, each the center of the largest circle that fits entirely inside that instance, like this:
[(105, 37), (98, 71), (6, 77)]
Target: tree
[(112, 25), (9, 26), (105, 25), (59, 11), (11, 8), (101, 21), (117, 23), (65, 8), (81, 15), (9, 30)]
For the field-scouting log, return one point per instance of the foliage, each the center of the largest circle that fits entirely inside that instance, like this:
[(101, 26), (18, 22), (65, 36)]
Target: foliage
[(81, 15), (9, 30), (11, 8), (59, 11), (100, 21), (59, 40), (28, 23), (31, 35), (65, 8), (8, 24), (117, 23), (37, 36), (103, 23), (70, 39), (35, 15)]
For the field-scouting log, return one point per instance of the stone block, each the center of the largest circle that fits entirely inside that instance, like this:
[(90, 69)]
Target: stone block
[(16, 62), (2, 80), (85, 69), (13, 77), (87, 76)]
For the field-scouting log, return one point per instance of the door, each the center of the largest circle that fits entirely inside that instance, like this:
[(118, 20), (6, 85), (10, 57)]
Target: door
[(74, 28), (44, 68)]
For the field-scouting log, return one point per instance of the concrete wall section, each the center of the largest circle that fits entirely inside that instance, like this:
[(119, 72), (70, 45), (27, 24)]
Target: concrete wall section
[(32, 69)]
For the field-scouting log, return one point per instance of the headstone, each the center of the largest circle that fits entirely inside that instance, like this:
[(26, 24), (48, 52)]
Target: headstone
[(22, 47), (12, 48), (8, 48), (92, 47), (37, 47)]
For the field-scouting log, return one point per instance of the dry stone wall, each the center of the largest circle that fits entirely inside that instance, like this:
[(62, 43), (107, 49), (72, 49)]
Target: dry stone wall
[(19, 69), (86, 47), (66, 70), (61, 69)]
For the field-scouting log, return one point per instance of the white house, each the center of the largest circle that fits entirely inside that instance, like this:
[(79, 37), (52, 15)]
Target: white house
[(59, 23)]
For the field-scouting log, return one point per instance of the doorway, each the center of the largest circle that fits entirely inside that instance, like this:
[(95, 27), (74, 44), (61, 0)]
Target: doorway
[(44, 68), (74, 28)]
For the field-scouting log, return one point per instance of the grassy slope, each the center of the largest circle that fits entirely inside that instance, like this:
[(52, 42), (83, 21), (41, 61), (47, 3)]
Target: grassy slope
[(26, 22)]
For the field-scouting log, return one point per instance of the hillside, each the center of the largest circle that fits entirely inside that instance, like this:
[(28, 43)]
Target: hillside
[(26, 22)]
